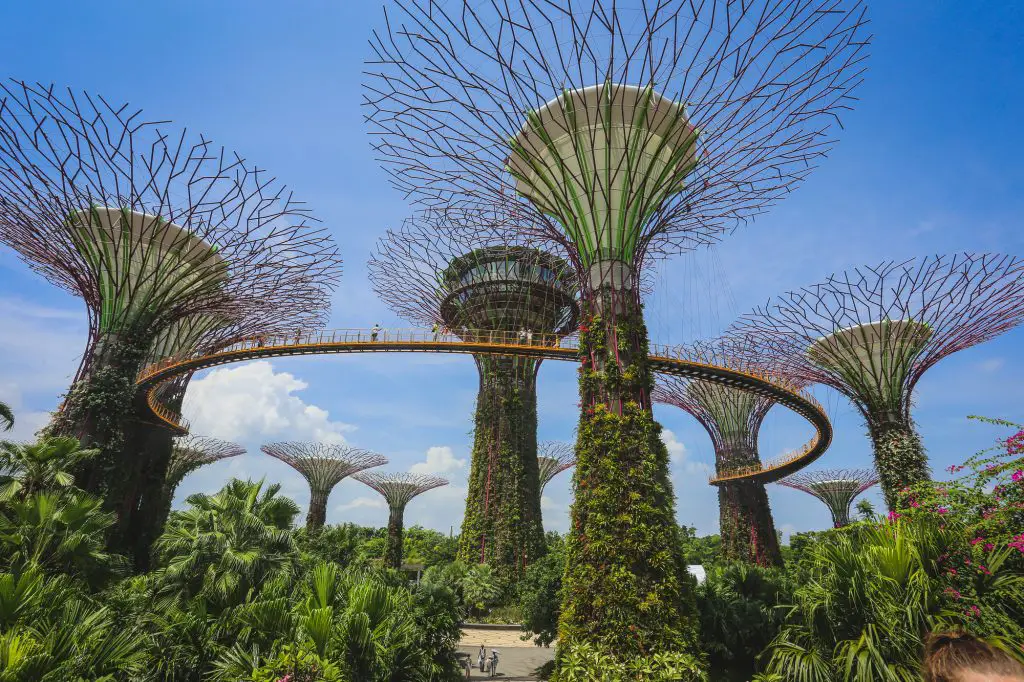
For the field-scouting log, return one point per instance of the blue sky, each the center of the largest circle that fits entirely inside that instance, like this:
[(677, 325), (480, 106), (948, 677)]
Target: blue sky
[(929, 163)]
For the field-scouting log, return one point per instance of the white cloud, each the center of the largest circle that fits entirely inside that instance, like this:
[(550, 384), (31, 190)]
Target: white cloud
[(253, 400), (676, 448), (440, 460)]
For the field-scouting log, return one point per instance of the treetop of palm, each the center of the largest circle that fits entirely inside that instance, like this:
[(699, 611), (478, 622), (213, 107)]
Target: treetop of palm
[(6, 417), (27, 468)]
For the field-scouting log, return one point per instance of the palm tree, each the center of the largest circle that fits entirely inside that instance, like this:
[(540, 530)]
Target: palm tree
[(226, 546), (60, 533), (41, 466), (6, 417)]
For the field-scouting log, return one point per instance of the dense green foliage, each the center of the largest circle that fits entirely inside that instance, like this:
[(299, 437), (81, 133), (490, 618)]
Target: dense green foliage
[(502, 524), (746, 524), (540, 593), (900, 458), (626, 591)]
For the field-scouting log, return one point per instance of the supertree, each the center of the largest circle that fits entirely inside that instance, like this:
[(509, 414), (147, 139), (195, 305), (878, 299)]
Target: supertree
[(150, 227), (837, 488), (323, 465), (872, 332), (732, 418), (483, 288), (398, 489), (555, 457), (190, 453), (619, 130)]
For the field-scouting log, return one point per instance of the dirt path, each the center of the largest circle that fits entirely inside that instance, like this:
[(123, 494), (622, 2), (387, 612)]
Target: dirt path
[(516, 659)]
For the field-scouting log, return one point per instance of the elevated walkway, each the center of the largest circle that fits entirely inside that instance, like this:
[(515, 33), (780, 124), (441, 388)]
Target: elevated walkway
[(664, 359)]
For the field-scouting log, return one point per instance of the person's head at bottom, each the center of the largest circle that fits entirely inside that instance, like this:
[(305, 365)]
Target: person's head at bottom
[(959, 657)]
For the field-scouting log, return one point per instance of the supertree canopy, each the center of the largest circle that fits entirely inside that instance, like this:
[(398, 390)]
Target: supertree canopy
[(732, 417), (555, 457), (837, 488), (323, 465), (398, 490), (485, 288), (871, 333), (150, 227), (619, 130)]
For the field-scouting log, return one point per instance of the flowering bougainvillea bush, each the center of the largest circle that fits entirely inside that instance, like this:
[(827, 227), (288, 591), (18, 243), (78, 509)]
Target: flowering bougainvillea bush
[(949, 557)]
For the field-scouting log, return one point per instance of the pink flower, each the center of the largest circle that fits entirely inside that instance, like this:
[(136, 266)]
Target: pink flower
[(953, 592), (1018, 475), (973, 610), (989, 546), (893, 515), (984, 570), (976, 541), (914, 504), (942, 510), (1017, 543)]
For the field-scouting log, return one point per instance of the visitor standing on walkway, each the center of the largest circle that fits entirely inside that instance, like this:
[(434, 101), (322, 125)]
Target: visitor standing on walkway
[(375, 331)]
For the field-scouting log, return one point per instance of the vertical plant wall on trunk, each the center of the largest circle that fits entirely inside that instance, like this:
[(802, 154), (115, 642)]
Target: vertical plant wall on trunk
[(502, 525), (900, 457), (746, 523), (626, 587), (97, 406), (396, 530)]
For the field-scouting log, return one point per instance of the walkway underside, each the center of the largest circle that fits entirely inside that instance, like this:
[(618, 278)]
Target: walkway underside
[(664, 359)]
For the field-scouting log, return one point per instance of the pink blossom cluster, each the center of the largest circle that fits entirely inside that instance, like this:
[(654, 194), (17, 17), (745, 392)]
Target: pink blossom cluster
[(1018, 543)]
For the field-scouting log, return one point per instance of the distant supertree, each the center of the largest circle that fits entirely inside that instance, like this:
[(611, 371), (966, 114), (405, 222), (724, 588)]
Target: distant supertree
[(486, 288), (150, 227), (323, 465), (732, 417), (622, 131), (871, 334), (190, 453), (837, 488), (398, 489), (555, 457)]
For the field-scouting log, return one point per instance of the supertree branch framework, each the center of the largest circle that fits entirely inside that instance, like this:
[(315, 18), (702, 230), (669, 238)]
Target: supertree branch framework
[(555, 457), (620, 131), (837, 488), (872, 332), (485, 288), (732, 418), (398, 489), (323, 465), (150, 226)]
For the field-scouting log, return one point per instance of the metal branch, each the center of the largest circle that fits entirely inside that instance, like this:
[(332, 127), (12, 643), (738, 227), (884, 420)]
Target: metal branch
[(554, 458), (192, 452), (159, 231), (872, 332), (725, 106), (398, 489), (837, 488)]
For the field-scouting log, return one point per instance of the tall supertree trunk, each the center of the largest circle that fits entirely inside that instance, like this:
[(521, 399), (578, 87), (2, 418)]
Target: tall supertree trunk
[(316, 517), (747, 527), (746, 524), (626, 586), (900, 458), (502, 525), (143, 513), (97, 407), (393, 550)]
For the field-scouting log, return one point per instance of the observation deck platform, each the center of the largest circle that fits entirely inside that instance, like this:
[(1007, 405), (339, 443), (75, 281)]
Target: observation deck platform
[(669, 360)]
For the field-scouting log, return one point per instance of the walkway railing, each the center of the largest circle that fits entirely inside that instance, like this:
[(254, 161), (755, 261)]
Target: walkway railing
[(664, 359)]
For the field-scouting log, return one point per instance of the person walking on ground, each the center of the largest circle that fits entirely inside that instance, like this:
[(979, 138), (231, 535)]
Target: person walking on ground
[(375, 331), (960, 657), (482, 657)]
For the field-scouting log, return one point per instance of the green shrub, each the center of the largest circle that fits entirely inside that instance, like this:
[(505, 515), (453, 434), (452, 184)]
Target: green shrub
[(586, 663)]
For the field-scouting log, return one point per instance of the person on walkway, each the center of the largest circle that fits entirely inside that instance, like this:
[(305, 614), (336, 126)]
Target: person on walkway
[(522, 335), (375, 331), (960, 657), (436, 330), (529, 337)]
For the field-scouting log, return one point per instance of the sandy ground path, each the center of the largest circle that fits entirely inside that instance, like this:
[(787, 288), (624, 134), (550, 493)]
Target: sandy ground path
[(516, 659)]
